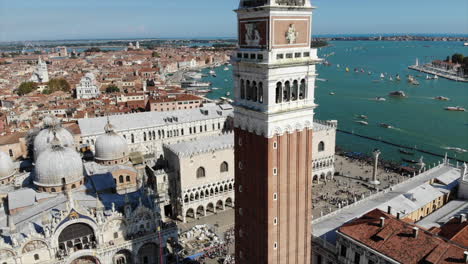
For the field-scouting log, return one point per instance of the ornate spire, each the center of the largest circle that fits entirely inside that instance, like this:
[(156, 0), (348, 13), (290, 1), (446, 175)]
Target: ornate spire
[(55, 143), (109, 128)]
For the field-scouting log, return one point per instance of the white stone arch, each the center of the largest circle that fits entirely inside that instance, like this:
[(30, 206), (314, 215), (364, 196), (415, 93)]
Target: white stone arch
[(322, 176), (194, 214), (83, 253), (12, 253), (329, 175), (32, 240), (220, 205), (59, 230), (210, 207)]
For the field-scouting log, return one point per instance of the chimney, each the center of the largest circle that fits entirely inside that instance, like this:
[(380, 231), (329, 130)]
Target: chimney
[(398, 215), (466, 256), (382, 221), (462, 218), (415, 232), (389, 210)]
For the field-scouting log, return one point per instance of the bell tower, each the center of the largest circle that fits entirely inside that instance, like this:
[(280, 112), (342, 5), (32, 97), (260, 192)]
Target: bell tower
[(274, 80)]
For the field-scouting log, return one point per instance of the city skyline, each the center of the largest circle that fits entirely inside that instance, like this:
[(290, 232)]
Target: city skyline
[(56, 20)]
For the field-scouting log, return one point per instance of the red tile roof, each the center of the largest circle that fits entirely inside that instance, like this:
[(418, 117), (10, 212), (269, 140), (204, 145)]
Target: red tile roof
[(395, 240)]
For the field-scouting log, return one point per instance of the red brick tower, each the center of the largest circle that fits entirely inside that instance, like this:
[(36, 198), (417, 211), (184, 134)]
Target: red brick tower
[(274, 75)]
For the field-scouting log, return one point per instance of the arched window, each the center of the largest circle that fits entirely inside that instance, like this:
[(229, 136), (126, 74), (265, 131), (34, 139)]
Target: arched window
[(294, 91), (242, 89), (121, 179), (201, 172), (132, 138), (224, 167), (144, 136), (287, 92), (260, 92), (254, 91), (321, 146), (249, 90), (53, 190), (302, 90), (128, 178), (279, 88)]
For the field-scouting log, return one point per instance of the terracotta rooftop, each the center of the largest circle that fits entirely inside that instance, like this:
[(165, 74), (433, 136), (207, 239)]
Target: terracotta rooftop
[(395, 239)]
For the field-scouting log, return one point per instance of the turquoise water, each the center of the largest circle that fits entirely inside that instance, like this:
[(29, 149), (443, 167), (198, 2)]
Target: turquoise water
[(419, 120)]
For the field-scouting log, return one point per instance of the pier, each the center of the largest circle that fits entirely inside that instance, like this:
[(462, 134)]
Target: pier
[(399, 145), (438, 72)]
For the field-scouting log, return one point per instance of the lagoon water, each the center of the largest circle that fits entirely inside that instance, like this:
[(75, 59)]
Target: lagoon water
[(419, 120)]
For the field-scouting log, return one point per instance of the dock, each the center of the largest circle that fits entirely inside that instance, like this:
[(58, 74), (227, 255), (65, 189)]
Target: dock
[(437, 72)]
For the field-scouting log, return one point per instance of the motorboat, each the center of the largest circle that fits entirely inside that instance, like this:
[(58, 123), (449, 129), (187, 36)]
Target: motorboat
[(441, 98), (381, 99), (363, 117), (406, 152), (364, 123), (226, 69), (455, 108), (386, 125), (212, 72), (397, 94), (215, 88), (332, 93)]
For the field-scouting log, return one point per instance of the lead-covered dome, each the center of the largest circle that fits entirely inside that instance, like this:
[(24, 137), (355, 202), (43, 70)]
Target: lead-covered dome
[(51, 129), (111, 146), (7, 168), (58, 166)]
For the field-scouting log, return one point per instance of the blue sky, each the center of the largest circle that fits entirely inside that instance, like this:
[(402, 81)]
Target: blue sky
[(77, 19)]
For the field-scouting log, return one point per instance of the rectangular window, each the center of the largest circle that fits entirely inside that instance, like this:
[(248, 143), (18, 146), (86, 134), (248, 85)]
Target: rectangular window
[(306, 54), (279, 56), (297, 54), (246, 55), (239, 55), (357, 258), (253, 56), (319, 259), (343, 251), (260, 56), (289, 56)]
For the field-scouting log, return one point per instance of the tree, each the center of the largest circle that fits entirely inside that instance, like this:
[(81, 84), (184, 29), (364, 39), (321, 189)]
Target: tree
[(457, 58), (112, 89), (26, 88), (155, 54), (58, 85)]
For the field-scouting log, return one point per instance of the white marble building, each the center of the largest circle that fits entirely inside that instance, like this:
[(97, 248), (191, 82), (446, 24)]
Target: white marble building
[(40, 74), (324, 143), (87, 88), (147, 132)]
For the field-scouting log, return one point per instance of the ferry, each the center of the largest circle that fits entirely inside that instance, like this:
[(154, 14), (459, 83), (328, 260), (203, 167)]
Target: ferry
[(364, 123), (386, 125), (441, 98), (406, 152), (397, 94), (455, 108), (187, 84)]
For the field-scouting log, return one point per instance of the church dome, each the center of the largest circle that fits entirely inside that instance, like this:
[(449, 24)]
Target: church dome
[(7, 168), (58, 166), (46, 135), (110, 146)]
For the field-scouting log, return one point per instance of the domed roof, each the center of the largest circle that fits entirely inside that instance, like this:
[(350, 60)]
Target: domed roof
[(7, 168), (58, 165), (110, 146), (46, 135)]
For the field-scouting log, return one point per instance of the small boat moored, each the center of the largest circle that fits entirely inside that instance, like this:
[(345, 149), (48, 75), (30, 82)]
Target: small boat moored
[(397, 94), (455, 108), (364, 123), (386, 125), (441, 98)]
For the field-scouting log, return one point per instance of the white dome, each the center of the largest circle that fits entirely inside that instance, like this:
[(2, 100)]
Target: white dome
[(58, 165), (110, 146), (44, 138), (7, 167)]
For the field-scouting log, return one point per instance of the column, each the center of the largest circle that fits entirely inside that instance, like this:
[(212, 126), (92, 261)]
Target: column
[(376, 155)]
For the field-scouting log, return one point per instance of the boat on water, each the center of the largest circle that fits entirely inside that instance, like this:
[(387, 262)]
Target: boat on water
[(332, 93), (436, 77), (192, 83), (398, 78), (228, 94), (385, 125), (455, 108), (215, 88), (409, 161), (193, 75), (369, 73), (337, 65), (347, 69), (382, 75), (322, 80), (212, 72), (441, 98), (465, 44), (364, 123), (391, 78), (226, 69), (458, 150), (412, 80), (406, 152), (363, 117), (397, 94), (381, 99)]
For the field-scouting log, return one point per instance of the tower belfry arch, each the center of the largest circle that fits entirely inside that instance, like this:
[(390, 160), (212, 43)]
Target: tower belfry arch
[(274, 82)]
